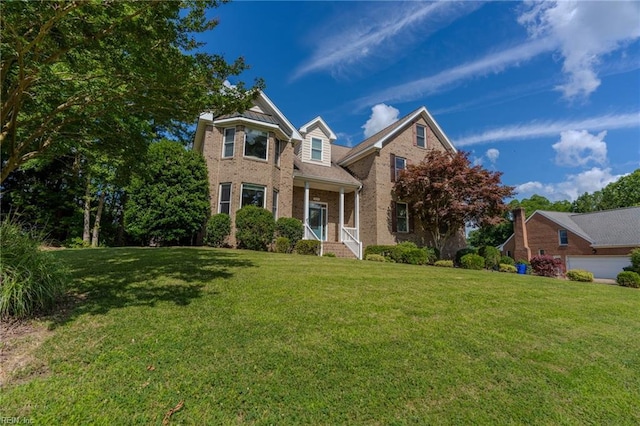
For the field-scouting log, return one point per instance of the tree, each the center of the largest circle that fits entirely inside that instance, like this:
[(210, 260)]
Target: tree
[(73, 72), (445, 192), (625, 192), (168, 202)]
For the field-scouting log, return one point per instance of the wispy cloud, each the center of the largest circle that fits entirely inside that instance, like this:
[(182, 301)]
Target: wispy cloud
[(551, 128), (490, 64), (374, 30)]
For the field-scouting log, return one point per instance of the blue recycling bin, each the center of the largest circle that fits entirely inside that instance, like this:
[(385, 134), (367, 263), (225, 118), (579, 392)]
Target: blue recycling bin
[(521, 268)]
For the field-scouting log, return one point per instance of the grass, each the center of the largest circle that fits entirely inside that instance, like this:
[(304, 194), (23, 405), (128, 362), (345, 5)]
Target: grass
[(261, 338)]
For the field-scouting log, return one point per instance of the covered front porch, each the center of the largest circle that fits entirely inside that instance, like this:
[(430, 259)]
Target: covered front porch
[(329, 212)]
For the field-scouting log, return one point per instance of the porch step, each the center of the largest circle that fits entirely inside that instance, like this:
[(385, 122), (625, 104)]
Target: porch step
[(337, 248)]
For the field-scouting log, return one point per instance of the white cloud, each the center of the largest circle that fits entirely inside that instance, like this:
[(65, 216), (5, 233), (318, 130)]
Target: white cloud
[(572, 187), (577, 148), (492, 63), (492, 154), (379, 31), (381, 116), (551, 128), (585, 31)]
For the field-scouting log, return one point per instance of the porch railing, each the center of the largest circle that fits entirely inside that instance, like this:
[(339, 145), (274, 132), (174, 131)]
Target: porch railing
[(309, 234), (350, 239)]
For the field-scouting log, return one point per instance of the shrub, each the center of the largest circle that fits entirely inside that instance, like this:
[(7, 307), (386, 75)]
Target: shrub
[(472, 261), (580, 275), (254, 228), (283, 245), (506, 260), (291, 228), (384, 251), (505, 267), (328, 254), (545, 265), (444, 263), (628, 279), (462, 252), (408, 252), (218, 229), (30, 279), (77, 242), (491, 256), (635, 260), (375, 257), (433, 254), (308, 247)]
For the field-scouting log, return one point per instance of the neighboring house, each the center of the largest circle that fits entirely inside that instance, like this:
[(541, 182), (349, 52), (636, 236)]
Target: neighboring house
[(599, 242), (343, 195)]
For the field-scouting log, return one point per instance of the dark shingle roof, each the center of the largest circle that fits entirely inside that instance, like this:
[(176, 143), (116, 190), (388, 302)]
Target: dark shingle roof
[(618, 227), (257, 116), (334, 173)]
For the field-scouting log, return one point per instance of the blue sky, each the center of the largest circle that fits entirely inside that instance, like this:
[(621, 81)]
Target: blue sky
[(547, 93)]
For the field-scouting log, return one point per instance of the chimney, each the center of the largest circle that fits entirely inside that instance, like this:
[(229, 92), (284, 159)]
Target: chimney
[(521, 241)]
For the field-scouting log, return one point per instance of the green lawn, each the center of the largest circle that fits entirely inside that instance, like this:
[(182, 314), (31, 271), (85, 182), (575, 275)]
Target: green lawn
[(263, 338)]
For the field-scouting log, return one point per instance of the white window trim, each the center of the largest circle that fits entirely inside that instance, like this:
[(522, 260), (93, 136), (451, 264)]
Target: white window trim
[(264, 190), (233, 144), (220, 196), (277, 151), (424, 135), (244, 145), (407, 218), (560, 238), (396, 169), (321, 150), (275, 194)]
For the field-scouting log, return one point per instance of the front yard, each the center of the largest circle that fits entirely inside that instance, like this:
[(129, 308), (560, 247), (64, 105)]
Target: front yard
[(246, 337)]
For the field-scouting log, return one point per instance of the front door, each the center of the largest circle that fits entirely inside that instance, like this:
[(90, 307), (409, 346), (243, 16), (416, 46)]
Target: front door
[(318, 219)]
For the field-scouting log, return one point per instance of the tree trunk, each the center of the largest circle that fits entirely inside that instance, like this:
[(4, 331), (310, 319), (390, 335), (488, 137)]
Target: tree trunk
[(96, 223), (86, 229)]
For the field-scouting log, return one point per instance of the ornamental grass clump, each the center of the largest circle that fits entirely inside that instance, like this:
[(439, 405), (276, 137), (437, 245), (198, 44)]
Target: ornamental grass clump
[(31, 280)]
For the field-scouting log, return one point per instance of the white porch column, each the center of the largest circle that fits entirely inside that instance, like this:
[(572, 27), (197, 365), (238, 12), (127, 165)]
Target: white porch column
[(341, 212), (356, 216), (306, 208)]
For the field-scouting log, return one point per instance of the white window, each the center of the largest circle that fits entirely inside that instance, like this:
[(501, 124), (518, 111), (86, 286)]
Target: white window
[(421, 136), (276, 153), (255, 143), (563, 237), (316, 149), (253, 195), (402, 217), (224, 197), (229, 139), (400, 165), (274, 204)]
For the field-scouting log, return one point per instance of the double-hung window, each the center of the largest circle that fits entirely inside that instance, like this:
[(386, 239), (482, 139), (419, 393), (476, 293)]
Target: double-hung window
[(253, 195), (563, 237), (224, 197), (276, 152), (274, 204), (400, 165), (402, 217), (316, 149), (421, 136), (229, 142), (255, 143)]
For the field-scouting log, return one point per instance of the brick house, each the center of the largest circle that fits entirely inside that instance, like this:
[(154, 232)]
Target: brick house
[(599, 242), (342, 194)]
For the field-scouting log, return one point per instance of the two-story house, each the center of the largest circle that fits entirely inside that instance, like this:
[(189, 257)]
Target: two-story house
[(343, 195)]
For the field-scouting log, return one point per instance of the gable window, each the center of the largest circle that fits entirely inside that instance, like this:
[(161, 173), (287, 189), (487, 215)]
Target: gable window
[(399, 166), (255, 143), (316, 149), (421, 136), (253, 195), (563, 237), (229, 139), (402, 217), (224, 198)]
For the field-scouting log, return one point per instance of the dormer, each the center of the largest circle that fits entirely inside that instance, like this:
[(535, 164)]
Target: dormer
[(317, 138)]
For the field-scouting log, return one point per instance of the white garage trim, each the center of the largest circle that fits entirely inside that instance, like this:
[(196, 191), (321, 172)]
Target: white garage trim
[(600, 266)]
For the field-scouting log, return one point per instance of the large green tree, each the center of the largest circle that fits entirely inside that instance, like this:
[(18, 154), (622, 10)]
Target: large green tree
[(625, 192), (74, 72), (445, 193), (168, 201)]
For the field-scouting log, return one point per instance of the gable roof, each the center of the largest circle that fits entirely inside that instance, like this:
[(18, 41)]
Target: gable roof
[(377, 141), (323, 126), (331, 175), (606, 228)]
